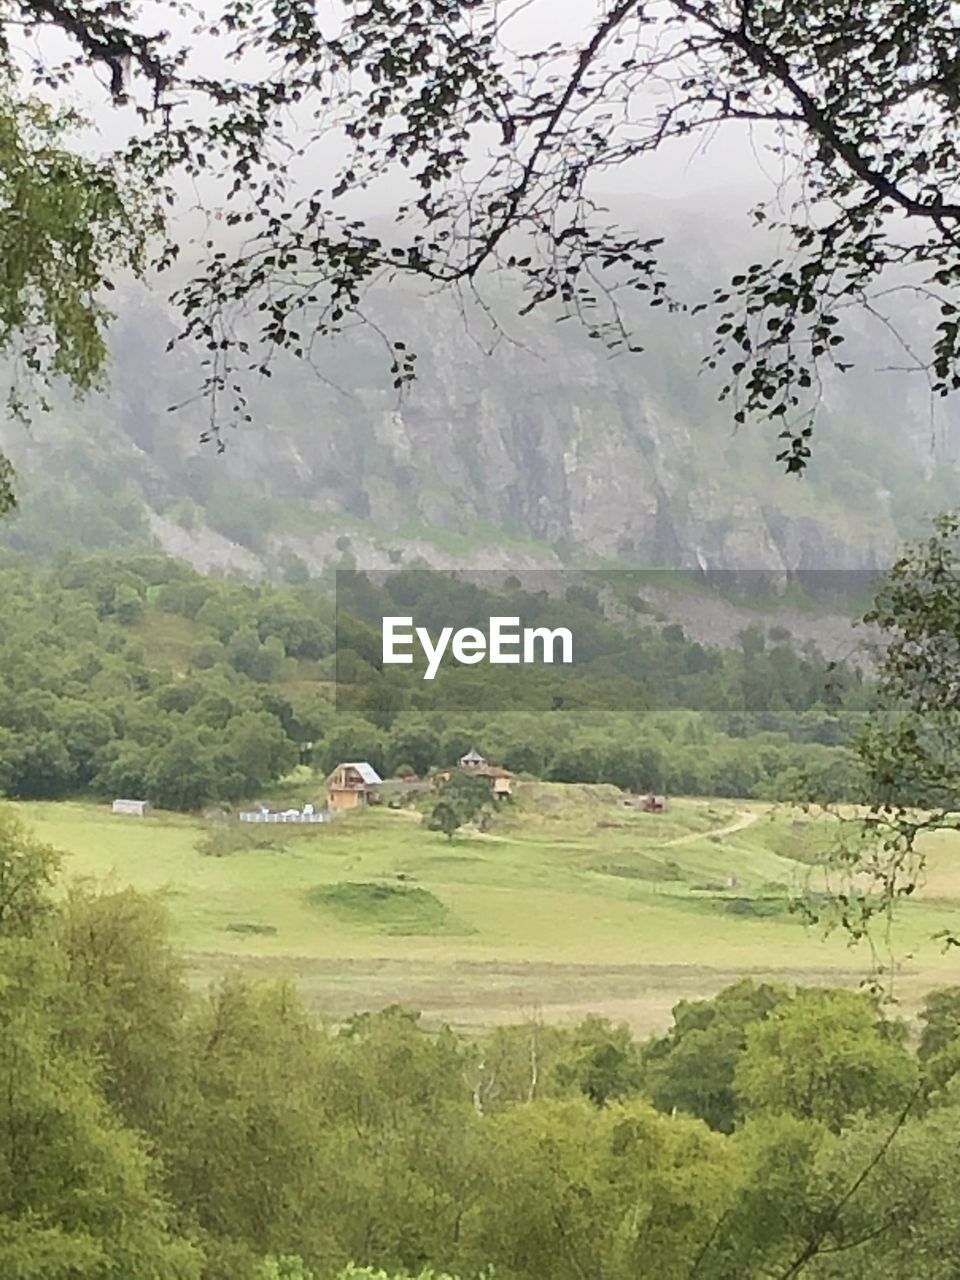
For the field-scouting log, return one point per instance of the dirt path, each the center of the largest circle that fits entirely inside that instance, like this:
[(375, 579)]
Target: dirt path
[(746, 818)]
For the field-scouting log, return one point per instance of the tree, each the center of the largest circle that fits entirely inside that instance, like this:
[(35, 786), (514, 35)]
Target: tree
[(858, 100), (871, 1204), (127, 605), (351, 740), (256, 749), (122, 1000), (352, 1272), (412, 742), (901, 1219), (27, 870), (632, 766), (463, 797), (404, 1142), (574, 1191), (600, 1061), (826, 1056), (86, 732), (285, 1267), (778, 1208), (181, 775), (78, 1191), (244, 1136), (68, 226), (939, 1047), (516, 1064), (909, 747), (445, 817), (123, 768), (692, 1068), (39, 765), (79, 1200)]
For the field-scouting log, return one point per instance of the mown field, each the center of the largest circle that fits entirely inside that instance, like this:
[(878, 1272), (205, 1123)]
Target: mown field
[(570, 904)]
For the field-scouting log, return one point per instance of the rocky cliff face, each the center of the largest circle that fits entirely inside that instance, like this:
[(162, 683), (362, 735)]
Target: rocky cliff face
[(546, 449)]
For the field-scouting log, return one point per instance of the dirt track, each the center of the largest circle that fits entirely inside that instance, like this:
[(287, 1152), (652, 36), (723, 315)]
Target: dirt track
[(746, 818)]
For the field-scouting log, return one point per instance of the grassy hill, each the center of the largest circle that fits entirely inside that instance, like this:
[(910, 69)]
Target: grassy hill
[(571, 904)]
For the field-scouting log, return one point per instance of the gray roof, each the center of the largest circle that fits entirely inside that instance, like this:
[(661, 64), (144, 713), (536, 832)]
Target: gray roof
[(366, 771)]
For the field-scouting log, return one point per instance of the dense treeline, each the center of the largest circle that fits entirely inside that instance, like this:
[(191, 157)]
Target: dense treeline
[(96, 694), (139, 676), (148, 1132)]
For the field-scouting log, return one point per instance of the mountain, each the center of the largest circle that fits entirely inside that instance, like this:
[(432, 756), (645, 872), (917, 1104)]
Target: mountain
[(541, 450)]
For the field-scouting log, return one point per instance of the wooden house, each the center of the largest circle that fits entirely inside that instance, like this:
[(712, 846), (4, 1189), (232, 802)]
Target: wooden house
[(499, 780), (352, 785)]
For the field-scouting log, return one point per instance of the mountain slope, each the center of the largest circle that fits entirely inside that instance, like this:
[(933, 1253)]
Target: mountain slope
[(545, 448)]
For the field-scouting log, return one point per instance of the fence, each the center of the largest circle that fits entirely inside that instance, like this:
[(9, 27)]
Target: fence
[(257, 815)]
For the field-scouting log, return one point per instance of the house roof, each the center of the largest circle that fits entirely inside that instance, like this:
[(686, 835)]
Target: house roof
[(491, 771), (473, 756), (366, 771)]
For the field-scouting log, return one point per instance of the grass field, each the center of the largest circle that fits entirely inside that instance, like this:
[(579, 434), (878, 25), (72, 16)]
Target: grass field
[(570, 904)]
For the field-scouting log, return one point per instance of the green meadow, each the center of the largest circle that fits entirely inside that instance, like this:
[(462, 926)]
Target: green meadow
[(570, 904)]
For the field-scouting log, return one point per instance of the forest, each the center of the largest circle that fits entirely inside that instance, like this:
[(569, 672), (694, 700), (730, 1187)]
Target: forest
[(147, 1130), (139, 676)]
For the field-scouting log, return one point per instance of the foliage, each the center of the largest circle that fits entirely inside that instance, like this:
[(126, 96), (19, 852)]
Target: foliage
[(80, 1193), (84, 708), (68, 227), (138, 676), (909, 743), (352, 1272), (27, 871), (859, 104), (600, 1061), (287, 1267), (861, 1065), (120, 972), (444, 817), (463, 798), (693, 1067), (286, 1149), (939, 1048)]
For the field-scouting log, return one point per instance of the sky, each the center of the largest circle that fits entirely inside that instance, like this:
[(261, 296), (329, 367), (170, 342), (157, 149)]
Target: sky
[(733, 161)]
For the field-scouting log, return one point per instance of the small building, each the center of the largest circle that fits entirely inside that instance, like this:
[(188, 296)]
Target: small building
[(499, 780), (353, 785), (133, 808)]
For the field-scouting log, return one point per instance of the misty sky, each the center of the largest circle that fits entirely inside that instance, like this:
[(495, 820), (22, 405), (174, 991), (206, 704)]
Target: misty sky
[(733, 160)]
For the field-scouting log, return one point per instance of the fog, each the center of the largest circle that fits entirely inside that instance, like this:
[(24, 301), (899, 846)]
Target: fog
[(734, 165)]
